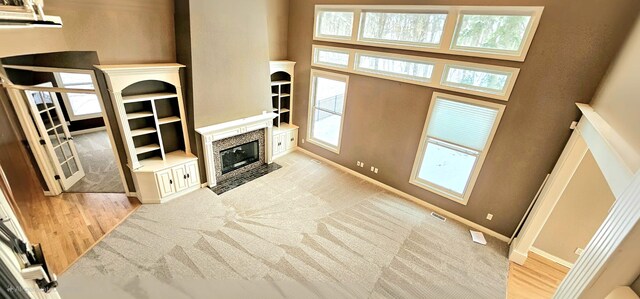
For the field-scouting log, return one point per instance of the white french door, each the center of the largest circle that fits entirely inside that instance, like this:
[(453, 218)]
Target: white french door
[(55, 137)]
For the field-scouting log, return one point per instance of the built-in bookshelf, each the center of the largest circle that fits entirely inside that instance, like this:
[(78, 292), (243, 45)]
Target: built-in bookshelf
[(149, 109), (285, 133), (281, 86)]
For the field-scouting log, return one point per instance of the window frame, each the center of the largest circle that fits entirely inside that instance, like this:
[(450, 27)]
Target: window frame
[(437, 75), (312, 108), (450, 28), (67, 103), (382, 42), (475, 172), (314, 61)]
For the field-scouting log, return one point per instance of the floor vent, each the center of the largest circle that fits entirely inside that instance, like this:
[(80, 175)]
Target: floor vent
[(438, 216), (316, 161)]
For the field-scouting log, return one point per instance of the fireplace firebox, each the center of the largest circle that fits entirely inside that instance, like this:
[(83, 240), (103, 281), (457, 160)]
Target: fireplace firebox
[(239, 156)]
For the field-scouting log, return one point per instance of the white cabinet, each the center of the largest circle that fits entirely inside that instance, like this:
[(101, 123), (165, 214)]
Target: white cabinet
[(180, 178), (165, 183), (193, 175), (285, 140)]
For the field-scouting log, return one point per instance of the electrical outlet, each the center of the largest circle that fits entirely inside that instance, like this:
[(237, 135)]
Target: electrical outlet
[(302, 140), (579, 251), (375, 170), (489, 216), (361, 164), (358, 163), (372, 168)]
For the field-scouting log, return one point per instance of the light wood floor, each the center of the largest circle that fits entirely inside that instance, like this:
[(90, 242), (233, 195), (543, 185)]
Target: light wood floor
[(69, 225), (537, 278)]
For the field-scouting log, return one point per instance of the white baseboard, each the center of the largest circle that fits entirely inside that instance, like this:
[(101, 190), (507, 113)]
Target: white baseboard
[(551, 257), (87, 131), (132, 194), (411, 198), (48, 193)]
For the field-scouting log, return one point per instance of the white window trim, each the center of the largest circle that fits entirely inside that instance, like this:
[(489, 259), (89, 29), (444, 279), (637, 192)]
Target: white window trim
[(446, 45), (464, 199), (67, 102), (437, 76), (332, 76)]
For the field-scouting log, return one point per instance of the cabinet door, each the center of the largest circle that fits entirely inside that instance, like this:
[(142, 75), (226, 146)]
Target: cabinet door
[(277, 144), (180, 178), (292, 139), (165, 183), (193, 175)]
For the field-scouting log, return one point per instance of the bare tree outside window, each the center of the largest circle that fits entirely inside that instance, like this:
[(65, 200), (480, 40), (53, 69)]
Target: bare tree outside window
[(492, 32), (414, 28)]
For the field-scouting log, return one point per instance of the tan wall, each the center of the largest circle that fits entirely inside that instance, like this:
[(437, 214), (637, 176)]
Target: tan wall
[(278, 28), (636, 286), (578, 214), (230, 60), (573, 47), (120, 31), (618, 101)]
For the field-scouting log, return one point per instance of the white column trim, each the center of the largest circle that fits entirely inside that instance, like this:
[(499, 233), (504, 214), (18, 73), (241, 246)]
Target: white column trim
[(559, 179)]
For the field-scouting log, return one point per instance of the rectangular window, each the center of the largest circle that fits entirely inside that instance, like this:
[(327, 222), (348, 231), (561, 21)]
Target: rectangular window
[(482, 80), (455, 141), (79, 106), (421, 29), (394, 67), (497, 32), (326, 109), (335, 24), (485, 80), (491, 33), (331, 57)]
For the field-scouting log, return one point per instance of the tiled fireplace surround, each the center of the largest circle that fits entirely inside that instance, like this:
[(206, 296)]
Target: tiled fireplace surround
[(219, 137)]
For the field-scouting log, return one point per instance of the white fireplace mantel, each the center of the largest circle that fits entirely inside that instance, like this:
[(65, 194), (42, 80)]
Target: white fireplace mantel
[(224, 130)]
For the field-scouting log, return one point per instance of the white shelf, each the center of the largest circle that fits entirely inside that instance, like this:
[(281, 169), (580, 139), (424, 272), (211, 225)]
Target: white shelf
[(284, 127), (275, 110), (143, 131), (146, 148), (284, 110), (285, 95), (148, 97), (274, 94), (168, 120), (155, 164), (282, 82), (137, 115)]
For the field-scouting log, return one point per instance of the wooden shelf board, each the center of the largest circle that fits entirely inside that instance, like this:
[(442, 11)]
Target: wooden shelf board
[(148, 97), (282, 82), (147, 148), (154, 164), (143, 131), (284, 110), (136, 115), (168, 120), (284, 127)]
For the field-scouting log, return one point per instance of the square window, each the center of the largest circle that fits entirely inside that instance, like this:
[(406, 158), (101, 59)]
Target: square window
[(336, 24)]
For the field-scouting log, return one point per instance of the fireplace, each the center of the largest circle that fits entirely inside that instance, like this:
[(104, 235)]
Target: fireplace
[(230, 148), (240, 156)]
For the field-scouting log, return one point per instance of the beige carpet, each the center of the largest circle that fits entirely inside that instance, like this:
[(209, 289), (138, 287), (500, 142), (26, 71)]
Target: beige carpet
[(307, 230), (99, 164)]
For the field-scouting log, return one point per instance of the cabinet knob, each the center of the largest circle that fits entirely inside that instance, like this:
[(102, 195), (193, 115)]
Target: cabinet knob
[(170, 182), (185, 176), (188, 175), (291, 139), (279, 143)]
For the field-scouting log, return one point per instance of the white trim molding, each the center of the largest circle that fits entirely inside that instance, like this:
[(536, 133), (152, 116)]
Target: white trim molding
[(551, 257), (212, 133), (438, 74), (450, 30), (570, 159), (410, 197)]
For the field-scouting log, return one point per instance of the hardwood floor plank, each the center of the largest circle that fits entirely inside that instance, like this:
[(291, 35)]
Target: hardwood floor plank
[(537, 278)]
